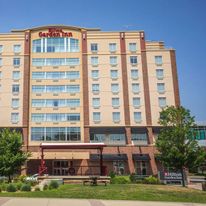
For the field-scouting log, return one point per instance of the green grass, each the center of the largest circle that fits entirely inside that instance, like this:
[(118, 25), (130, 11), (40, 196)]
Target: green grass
[(120, 192)]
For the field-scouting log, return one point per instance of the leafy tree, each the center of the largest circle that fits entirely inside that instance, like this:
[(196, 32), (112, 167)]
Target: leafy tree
[(12, 157), (176, 145)]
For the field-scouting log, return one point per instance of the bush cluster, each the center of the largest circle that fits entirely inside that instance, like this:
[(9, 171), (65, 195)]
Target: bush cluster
[(151, 180), (119, 180), (25, 188), (53, 185), (11, 188)]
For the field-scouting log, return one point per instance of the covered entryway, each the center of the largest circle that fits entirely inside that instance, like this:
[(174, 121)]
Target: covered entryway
[(66, 167)]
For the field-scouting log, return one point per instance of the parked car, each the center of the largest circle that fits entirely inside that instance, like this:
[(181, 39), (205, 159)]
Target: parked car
[(33, 178)]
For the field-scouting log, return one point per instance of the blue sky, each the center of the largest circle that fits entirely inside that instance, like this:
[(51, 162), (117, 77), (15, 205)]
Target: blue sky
[(181, 24)]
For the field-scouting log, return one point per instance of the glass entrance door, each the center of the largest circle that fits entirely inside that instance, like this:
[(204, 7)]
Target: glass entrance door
[(60, 167)]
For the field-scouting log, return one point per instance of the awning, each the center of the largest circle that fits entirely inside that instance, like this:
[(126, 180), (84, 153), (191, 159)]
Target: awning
[(141, 157), (109, 157)]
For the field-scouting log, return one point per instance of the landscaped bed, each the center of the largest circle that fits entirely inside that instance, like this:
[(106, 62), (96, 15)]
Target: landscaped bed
[(119, 192)]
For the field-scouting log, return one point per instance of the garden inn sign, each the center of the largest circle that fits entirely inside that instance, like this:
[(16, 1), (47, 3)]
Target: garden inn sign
[(55, 32)]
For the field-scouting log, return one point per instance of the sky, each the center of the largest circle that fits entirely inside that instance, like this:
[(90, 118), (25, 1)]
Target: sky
[(181, 24)]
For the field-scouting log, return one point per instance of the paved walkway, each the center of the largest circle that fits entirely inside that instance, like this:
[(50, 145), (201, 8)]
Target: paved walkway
[(79, 202)]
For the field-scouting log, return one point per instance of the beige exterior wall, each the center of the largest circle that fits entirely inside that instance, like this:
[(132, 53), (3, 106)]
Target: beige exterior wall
[(32, 110), (6, 81)]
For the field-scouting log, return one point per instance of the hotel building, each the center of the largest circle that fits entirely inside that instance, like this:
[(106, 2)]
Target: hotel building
[(64, 84)]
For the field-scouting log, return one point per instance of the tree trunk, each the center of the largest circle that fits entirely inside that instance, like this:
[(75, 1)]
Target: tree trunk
[(9, 178), (183, 177)]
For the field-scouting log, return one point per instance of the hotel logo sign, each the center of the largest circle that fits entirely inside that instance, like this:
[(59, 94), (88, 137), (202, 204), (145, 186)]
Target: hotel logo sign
[(55, 32)]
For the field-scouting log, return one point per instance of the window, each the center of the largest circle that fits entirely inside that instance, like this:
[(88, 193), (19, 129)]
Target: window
[(15, 103), (161, 87), (14, 117), (158, 60), (1, 48), (116, 116), (94, 47), (1, 62), (136, 102), (135, 88), (73, 102), (55, 45), (55, 62), (115, 102), (112, 47), (38, 103), (96, 102), (159, 73), (132, 47), (133, 60), (96, 116), (137, 116), (162, 102), (16, 75), (95, 74), (94, 61), (113, 60), (115, 88), (134, 74), (73, 88), (95, 88), (15, 88), (17, 48), (119, 167), (72, 75), (114, 74), (16, 62)]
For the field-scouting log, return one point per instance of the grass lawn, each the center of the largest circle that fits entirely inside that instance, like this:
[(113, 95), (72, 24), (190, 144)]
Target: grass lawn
[(120, 192)]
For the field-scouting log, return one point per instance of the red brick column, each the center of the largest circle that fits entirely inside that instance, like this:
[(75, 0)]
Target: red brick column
[(128, 135)]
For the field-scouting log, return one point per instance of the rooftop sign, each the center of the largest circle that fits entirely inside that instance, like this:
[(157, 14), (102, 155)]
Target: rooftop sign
[(55, 32)]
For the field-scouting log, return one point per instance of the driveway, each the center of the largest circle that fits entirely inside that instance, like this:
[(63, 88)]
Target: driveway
[(79, 202)]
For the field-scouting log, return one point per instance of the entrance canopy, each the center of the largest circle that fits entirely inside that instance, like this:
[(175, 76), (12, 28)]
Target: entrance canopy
[(72, 145)]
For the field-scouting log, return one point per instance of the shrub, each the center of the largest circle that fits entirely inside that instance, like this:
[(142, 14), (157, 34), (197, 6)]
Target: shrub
[(151, 180), (0, 190), (26, 188), (4, 186), (45, 187), (112, 174), (53, 185), (119, 180), (37, 189), (18, 185), (11, 188), (22, 178), (132, 178)]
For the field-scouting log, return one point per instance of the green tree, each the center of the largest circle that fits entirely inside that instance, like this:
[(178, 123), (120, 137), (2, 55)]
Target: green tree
[(12, 157), (176, 145)]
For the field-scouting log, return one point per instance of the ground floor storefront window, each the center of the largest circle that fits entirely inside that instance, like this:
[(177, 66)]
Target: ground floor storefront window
[(119, 167), (142, 167)]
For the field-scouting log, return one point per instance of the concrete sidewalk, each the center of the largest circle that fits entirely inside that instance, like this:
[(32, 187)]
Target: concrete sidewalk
[(79, 202)]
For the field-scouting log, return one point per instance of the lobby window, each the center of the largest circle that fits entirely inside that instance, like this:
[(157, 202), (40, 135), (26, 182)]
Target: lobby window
[(114, 74), (74, 45), (95, 88), (17, 48), (15, 88), (134, 73), (14, 117), (132, 47), (1, 48), (133, 60), (15, 103), (136, 102), (16, 62), (96, 116), (116, 116), (94, 61), (115, 88), (113, 60), (37, 134), (115, 102), (135, 88), (36, 46), (16, 75), (159, 73), (96, 102), (95, 74), (94, 47), (137, 117), (112, 47), (158, 60), (161, 87), (162, 102), (1, 62)]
